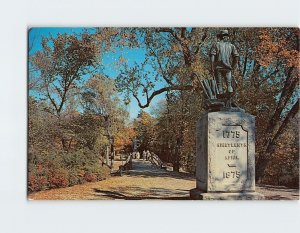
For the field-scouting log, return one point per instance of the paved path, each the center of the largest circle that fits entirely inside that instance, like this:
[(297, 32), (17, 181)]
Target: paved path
[(146, 181)]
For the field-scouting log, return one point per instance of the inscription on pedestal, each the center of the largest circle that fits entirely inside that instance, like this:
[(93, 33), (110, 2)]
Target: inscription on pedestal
[(231, 155), (225, 157), (226, 152)]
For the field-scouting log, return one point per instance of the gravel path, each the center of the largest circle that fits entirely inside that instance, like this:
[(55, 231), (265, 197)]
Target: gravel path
[(145, 181)]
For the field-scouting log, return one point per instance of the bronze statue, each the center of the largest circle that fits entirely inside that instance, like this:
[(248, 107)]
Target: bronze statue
[(224, 58)]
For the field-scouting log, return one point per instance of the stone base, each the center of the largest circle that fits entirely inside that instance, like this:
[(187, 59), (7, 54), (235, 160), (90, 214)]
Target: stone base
[(196, 194)]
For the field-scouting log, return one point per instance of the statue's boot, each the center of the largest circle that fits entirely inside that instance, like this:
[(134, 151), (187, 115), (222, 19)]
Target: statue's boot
[(229, 87), (220, 88)]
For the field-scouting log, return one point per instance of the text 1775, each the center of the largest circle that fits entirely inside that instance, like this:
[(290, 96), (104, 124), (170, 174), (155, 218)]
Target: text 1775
[(231, 134)]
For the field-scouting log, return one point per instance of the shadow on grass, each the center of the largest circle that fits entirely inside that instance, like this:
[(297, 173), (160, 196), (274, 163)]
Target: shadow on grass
[(144, 194)]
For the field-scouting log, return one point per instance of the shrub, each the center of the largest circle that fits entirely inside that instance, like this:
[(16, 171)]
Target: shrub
[(76, 176), (100, 172), (90, 177), (37, 178), (59, 178), (37, 183), (57, 169)]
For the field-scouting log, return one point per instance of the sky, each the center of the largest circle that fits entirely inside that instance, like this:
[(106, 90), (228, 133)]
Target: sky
[(131, 56)]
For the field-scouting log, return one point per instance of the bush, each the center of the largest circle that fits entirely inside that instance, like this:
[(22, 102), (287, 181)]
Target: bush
[(98, 171), (90, 177), (59, 178), (59, 169), (76, 176), (37, 178), (37, 183)]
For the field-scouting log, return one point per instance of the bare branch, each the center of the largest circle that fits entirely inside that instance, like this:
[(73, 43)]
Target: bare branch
[(157, 92), (52, 100), (161, 69), (58, 91), (169, 30), (288, 89), (294, 110)]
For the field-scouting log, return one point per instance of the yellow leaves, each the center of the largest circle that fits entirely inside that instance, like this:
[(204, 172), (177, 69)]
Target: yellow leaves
[(145, 119), (124, 138), (175, 48), (197, 66)]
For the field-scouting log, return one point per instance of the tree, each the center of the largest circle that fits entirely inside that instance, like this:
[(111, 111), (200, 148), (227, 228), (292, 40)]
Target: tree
[(100, 99), (59, 70), (171, 58), (61, 65), (175, 140), (171, 61), (271, 89), (144, 128), (267, 75)]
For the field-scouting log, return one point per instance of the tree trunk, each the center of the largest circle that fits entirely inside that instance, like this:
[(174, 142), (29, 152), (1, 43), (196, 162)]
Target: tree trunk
[(176, 163), (263, 161), (276, 127), (107, 155)]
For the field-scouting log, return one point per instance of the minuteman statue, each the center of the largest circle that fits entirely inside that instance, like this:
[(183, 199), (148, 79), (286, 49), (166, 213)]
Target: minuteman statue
[(224, 58)]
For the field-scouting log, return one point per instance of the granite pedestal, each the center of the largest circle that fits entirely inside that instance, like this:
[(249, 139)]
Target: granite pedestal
[(225, 168)]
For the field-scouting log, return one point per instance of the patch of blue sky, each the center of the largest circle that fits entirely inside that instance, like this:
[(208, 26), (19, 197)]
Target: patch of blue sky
[(36, 34), (109, 60), (132, 56)]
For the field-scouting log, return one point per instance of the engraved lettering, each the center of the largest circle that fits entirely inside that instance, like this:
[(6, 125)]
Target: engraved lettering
[(231, 174), (231, 154), (231, 144), (231, 134)]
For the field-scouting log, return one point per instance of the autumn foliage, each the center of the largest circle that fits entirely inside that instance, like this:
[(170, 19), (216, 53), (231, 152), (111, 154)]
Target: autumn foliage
[(267, 79), (76, 116), (73, 113)]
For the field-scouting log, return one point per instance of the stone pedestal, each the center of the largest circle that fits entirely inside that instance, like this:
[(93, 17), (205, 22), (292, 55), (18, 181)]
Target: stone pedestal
[(225, 157)]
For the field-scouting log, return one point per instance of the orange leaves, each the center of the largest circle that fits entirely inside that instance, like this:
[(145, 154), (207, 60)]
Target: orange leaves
[(59, 179), (90, 177), (275, 45), (293, 59), (36, 183), (267, 49), (40, 168), (124, 138)]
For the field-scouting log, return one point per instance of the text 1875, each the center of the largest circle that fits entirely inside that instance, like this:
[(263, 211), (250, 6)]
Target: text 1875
[(232, 174)]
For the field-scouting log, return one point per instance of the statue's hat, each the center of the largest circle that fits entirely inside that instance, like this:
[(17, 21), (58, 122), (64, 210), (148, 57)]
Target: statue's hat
[(223, 33)]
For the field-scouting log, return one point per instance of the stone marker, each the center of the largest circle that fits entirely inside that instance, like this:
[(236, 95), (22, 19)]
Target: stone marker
[(225, 166)]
